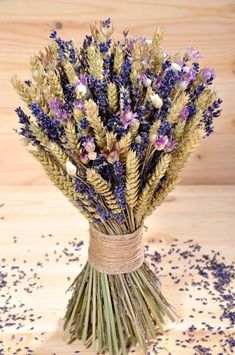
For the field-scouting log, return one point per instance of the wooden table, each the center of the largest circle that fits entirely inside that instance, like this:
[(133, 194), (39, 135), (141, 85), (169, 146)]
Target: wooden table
[(38, 225)]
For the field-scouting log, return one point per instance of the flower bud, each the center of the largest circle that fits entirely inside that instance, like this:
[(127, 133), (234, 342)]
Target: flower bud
[(156, 100), (70, 168)]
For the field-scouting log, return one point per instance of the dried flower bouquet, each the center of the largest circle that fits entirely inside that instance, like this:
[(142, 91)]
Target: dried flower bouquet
[(113, 124)]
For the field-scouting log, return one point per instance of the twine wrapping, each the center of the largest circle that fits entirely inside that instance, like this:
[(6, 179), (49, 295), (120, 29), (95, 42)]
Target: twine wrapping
[(116, 254)]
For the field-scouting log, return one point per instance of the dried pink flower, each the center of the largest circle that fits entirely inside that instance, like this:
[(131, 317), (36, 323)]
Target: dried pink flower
[(128, 118)]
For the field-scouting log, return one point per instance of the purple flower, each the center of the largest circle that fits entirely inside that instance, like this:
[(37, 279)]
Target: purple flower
[(63, 115), (88, 151), (208, 74), (60, 113), (192, 53), (55, 104), (84, 156), (184, 113), (192, 74), (171, 145), (79, 105), (128, 118), (160, 142), (89, 144)]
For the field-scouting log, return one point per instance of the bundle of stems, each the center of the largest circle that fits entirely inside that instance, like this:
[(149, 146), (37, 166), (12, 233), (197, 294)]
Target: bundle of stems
[(115, 312)]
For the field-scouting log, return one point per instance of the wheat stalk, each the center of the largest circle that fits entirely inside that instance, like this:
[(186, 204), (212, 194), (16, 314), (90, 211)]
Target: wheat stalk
[(71, 135), (92, 114), (112, 97), (58, 153), (70, 72), (40, 136), (124, 145), (179, 103), (167, 186), (59, 178), (134, 129), (95, 62), (132, 178), (184, 150), (77, 115), (118, 59), (22, 89), (103, 188), (111, 139), (153, 129), (55, 85), (144, 199), (157, 54), (38, 72), (179, 129)]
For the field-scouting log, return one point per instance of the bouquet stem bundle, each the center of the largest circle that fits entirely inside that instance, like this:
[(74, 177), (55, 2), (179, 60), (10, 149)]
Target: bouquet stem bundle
[(113, 124), (115, 311)]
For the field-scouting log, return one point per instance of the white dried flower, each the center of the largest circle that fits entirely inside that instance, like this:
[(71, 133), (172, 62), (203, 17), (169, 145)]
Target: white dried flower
[(176, 67), (156, 100), (92, 155), (82, 91), (71, 169)]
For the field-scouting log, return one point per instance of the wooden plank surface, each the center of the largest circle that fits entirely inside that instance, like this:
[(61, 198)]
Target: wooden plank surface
[(37, 225), (207, 25)]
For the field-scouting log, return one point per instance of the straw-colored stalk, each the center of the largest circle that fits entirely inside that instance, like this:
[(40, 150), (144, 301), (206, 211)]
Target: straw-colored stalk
[(103, 188), (114, 312), (145, 197), (92, 114)]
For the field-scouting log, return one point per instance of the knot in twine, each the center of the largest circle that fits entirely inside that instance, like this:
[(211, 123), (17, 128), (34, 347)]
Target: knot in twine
[(116, 254)]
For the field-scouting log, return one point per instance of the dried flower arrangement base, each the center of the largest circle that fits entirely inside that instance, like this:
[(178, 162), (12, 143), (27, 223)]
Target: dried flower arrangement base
[(113, 124), (113, 312)]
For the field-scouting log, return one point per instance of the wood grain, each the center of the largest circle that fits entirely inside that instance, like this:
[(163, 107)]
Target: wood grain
[(207, 25), (205, 214)]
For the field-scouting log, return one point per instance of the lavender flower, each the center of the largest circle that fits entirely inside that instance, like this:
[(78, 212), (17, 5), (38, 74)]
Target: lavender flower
[(208, 75), (184, 113), (193, 53)]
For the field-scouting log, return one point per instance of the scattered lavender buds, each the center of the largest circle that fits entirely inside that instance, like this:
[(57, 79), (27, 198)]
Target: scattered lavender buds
[(205, 280)]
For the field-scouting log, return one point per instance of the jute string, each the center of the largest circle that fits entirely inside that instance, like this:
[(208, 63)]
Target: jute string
[(116, 254)]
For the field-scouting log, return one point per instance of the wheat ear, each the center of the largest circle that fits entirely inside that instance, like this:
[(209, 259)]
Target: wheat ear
[(59, 178), (144, 199), (55, 85), (179, 103), (103, 188), (92, 114), (167, 186), (132, 178), (111, 139), (22, 89), (112, 97), (157, 54), (57, 152), (180, 156), (95, 62), (38, 133), (118, 59), (124, 145), (70, 72), (71, 135), (153, 129), (38, 72)]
